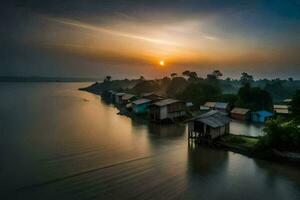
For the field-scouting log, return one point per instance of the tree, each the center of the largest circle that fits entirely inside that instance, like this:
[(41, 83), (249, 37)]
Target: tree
[(228, 79), (108, 78), (254, 98), (200, 92), (291, 79), (186, 73), (246, 78), (217, 73), (295, 105), (214, 75), (176, 85), (193, 75), (280, 134), (142, 78), (173, 75), (145, 86)]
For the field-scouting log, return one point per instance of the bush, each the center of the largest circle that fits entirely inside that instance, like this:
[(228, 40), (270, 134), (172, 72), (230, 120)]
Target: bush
[(281, 135)]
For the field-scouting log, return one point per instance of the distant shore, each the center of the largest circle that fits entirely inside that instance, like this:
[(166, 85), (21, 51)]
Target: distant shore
[(45, 79)]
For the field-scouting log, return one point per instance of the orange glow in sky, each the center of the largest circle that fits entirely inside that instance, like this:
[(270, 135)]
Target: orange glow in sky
[(162, 63)]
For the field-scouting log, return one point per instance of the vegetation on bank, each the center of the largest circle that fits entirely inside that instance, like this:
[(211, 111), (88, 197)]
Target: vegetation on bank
[(282, 134), (244, 142), (245, 92)]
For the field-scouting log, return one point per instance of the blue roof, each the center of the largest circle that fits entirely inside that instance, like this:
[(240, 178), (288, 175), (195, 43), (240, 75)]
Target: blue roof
[(264, 113)]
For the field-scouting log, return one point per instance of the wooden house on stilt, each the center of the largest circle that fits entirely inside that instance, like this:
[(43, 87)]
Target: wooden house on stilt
[(208, 126)]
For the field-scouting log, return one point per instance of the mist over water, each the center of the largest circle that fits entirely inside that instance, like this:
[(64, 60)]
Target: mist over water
[(61, 143)]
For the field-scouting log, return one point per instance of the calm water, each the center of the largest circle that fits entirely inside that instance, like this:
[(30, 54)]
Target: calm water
[(60, 143), (245, 128)]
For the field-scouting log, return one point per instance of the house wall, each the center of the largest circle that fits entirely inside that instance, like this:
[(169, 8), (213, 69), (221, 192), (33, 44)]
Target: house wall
[(258, 118), (176, 114), (163, 112), (141, 108), (191, 126), (227, 129), (214, 132), (240, 116), (170, 111), (217, 132), (118, 99), (174, 107)]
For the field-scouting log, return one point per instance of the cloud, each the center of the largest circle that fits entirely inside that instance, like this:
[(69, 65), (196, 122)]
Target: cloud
[(109, 31)]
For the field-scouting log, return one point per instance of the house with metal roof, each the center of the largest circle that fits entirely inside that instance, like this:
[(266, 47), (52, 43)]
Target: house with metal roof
[(108, 95), (281, 110), (210, 105), (167, 109), (153, 97), (210, 125), (118, 97), (221, 106), (127, 98), (240, 114), (287, 101), (261, 116), (141, 106)]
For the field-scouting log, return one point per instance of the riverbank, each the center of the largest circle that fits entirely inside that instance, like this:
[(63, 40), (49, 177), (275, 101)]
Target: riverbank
[(248, 145), (242, 144)]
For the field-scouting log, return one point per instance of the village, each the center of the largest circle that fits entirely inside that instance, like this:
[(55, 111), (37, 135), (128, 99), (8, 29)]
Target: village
[(246, 116), (206, 123)]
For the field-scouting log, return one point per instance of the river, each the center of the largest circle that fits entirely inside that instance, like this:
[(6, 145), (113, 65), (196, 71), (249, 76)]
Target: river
[(61, 143)]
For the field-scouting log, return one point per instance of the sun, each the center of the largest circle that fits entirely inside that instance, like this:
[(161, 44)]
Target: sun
[(161, 63)]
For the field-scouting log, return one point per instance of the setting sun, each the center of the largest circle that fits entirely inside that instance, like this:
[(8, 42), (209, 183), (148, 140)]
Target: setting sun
[(161, 63)]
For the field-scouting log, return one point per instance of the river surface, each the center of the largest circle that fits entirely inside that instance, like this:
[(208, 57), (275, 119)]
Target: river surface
[(246, 128), (60, 143)]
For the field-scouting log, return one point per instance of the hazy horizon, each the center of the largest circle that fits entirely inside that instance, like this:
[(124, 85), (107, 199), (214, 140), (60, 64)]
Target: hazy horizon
[(128, 39)]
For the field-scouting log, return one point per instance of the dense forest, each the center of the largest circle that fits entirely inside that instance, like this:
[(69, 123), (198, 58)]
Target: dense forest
[(188, 86)]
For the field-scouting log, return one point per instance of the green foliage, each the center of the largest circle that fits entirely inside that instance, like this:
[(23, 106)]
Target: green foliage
[(173, 75), (275, 88), (214, 75), (108, 78), (200, 92), (254, 98), (246, 78), (145, 86), (281, 135), (242, 141), (186, 73), (295, 105), (230, 98), (176, 86)]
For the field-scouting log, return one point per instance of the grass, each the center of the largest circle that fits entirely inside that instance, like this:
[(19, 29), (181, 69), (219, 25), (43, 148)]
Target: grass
[(241, 141)]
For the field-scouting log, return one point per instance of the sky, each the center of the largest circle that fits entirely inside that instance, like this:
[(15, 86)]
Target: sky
[(128, 38)]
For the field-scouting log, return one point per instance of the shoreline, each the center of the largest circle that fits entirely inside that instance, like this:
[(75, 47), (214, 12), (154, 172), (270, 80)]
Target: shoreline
[(230, 142), (249, 149)]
